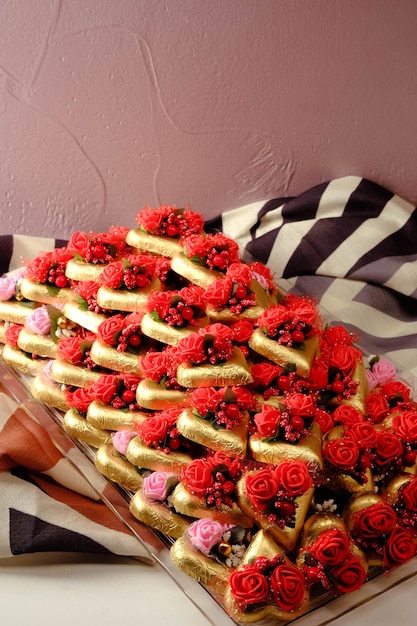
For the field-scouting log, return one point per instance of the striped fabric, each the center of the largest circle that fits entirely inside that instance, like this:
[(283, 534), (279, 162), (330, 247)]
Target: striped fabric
[(351, 244)]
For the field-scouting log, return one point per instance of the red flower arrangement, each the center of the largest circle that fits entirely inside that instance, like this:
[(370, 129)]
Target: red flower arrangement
[(76, 350), (241, 332), (86, 292), (133, 272), (48, 268), (169, 221), (291, 322), (232, 292), (272, 380), (118, 391), (210, 345), (329, 560), (389, 397), (224, 408), (161, 367), (268, 582), (98, 247), (123, 332), (159, 431), (405, 504), (183, 307), (272, 491), (289, 423), (79, 398), (215, 251), (213, 479)]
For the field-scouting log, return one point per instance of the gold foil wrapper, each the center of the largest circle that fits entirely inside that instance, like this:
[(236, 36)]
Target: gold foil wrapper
[(109, 463), (346, 481), (234, 372), (195, 273), (286, 537), (16, 312), (163, 332), (188, 504), (150, 395), (149, 458), (263, 545), (158, 244), (77, 426), (108, 418), (197, 565), (131, 301), (231, 441), (22, 361), (82, 271), (358, 502), (272, 350), (250, 313), (41, 293), (42, 345), (86, 319), (158, 515), (68, 374), (112, 359), (3, 332), (45, 391), (392, 491), (307, 449), (359, 399)]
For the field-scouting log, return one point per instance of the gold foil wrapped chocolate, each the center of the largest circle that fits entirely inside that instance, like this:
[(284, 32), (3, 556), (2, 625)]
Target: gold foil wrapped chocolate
[(76, 375), (82, 271), (358, 502), (232, 441), (22, 361), (158, 244), (150, 458), (195, 273), (151, 395), (264, 545), (234, 372), (393, 489), (158, 515), (86, 319), (16, 312), (106, 356), (188, 504), (131, 301), (307, 449), (282, 355), (77, 426), (117, 469), (358, 400), (164, 333), (45, 391), (287, 536), (107, 417), (226, 316), (42, 293), (41, 345)]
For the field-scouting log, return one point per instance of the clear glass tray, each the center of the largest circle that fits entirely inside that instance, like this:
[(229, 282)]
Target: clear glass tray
[(323, 609)]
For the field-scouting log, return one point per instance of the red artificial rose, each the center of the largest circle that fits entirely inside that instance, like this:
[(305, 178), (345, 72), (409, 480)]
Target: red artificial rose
[(293, 477), (349, 575), (193, 296), (154, 429), (272, 318), (264, 373), (409, 495), (79, 243), (338, 336), (303, 309), (330, 548), (241, 331), (376, 407), (405, 426), (261, 487), (71, 349), (396, 390), (248, 586), (344, 358), (267, 421), (105, 388), (347, 414), (218, 293), (389, 448), (244, 398), (130, 381), (86, 289), (239, 273), (400, 547), (110, 329), (218, 330), (38, 269), (12, 333), (160, 302), (300, 404), (341, 454), (374, 521), (112, 275), (80, 399), (153, 365), (231, 464), (206, 399), (198, 476), (324, 420), (288, 586), (363, 434), (191, 349), (319, 374), (150, 219)]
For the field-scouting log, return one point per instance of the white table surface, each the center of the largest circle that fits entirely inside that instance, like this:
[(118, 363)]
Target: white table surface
[(57, 589)]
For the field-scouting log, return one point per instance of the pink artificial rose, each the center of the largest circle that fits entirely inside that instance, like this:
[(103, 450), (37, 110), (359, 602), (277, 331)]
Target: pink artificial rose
[(121, 440), (372, 379), (205, 533), (155, 486), (384, 371), (39, 321), (7, 287)]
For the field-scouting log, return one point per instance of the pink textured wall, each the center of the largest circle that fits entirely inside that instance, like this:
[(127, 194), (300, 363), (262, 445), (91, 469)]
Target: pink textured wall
[(106, 105)]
